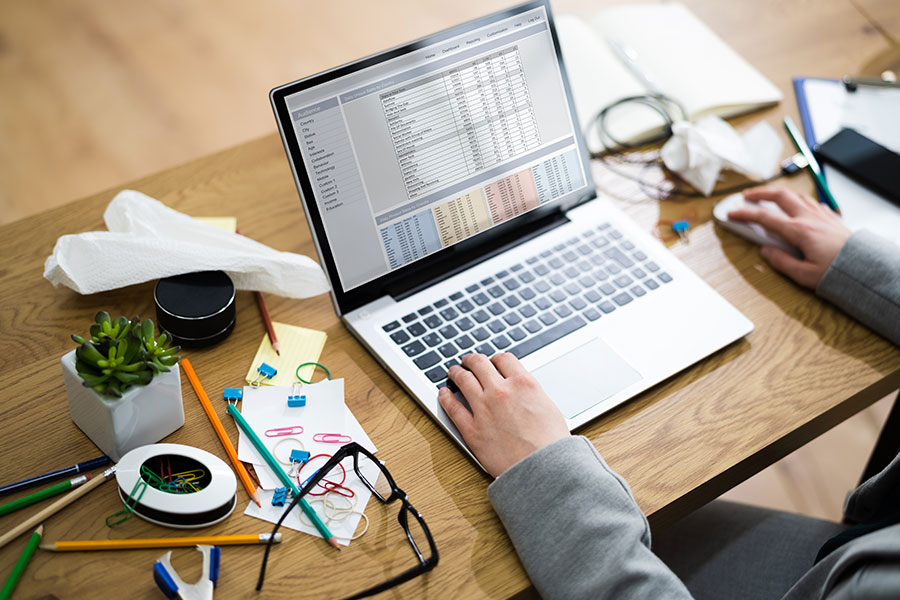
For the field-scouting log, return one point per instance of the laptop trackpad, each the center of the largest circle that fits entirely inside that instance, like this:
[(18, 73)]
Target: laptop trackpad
[(585, 376)]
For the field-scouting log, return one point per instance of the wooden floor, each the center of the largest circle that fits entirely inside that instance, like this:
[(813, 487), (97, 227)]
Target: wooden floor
[(97, 94)]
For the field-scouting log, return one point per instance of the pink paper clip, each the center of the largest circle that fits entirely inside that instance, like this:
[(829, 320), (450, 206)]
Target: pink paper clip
[(280, 431), (332, 438)]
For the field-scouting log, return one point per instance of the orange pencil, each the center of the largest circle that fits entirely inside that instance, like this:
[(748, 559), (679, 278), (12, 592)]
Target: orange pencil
[(220, 431)]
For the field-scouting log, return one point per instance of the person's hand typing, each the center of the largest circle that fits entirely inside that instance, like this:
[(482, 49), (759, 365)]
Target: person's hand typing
[(809, 225), (511, 414)]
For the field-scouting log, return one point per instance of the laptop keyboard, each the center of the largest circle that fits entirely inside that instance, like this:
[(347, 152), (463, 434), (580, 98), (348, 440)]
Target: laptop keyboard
[(529, 304)]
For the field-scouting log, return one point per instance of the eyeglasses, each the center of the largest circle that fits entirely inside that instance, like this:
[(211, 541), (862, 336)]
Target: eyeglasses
[(417, 533)]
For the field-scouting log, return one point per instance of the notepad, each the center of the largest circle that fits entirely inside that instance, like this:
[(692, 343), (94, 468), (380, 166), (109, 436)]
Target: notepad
[(298, 345), (675, 49)]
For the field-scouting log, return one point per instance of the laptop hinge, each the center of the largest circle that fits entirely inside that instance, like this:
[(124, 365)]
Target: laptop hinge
[(442, 270)]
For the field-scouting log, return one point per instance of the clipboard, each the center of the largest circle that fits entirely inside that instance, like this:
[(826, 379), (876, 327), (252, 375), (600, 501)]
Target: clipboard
[(825, 108)]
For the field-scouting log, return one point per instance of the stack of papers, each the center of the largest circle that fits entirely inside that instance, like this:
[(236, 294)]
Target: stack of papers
[(265, 408)]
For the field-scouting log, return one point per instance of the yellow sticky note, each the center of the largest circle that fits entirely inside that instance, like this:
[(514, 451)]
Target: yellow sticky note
[(298, 345), (226, 223)]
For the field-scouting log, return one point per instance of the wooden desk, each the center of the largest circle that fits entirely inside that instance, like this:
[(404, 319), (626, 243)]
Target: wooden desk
[(805, 368)]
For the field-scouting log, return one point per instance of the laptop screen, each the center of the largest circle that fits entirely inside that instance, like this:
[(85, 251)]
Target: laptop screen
[(410, 153)]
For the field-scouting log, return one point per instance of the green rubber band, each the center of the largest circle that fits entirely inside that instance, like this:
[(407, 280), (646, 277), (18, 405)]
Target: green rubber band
[(315, 364)]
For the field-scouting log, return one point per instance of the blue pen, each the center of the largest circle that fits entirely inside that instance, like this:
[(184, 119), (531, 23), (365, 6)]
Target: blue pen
[(39, 479)]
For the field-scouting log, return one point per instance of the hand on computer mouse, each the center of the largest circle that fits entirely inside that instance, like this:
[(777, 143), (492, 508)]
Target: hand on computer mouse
[(809, 225), (511, 414)]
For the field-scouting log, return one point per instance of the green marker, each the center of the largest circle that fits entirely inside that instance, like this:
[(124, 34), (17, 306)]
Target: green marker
[(53, 490), (802, 146), (264, 452), (17, 571)]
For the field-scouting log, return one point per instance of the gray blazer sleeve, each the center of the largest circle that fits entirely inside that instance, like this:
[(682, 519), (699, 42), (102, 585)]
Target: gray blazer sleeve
[(864, 281), (577, 528)]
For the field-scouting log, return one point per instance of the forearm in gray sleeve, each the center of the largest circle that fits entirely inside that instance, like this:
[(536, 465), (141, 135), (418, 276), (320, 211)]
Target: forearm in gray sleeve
[(577, 529)]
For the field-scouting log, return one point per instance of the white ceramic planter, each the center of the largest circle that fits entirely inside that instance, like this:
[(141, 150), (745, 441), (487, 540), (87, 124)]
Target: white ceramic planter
[(143, 415)]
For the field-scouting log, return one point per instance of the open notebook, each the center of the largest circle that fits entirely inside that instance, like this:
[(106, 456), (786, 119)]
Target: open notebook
[(681, 56)]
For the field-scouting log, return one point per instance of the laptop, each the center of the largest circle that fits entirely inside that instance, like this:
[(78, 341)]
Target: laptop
[(448, 191)]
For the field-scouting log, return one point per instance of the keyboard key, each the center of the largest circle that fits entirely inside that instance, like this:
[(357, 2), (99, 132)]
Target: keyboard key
[(455, 296), (665, 277), (622, 299), (572, 288), (587, 282), (618, 256), (532, 260), (512, 318), (480, 316), (570, 256), (555, 262), (516, 267), (496, 326), (623, 280), (526, 277), (464, 342), (481, 298), (449, 313), (427, 360), (441, 303), (436, 374), (559, 247), (584, 249), (432, 321), (480, 334), (598, 259), (557, 295), (638, 272), (606, 306), (542, 270), (516, 334), (432, 339), (450, 363), (557, 279), (391, 326), (487, 281), (512, 301), (585, 266), (501, 341), (416, 329), (400, 337), (652, 284), (496, 308), (577, 303), (485, 349), (542, 286), (409, 318), (527, 311), (651, 266), (465, 306), (527, 293), (448, 332), (627, 245), (501, 274), (512, 284), (447, 350), (638, 291), (496, 291), (593, 296), (638, 255), (613, 269), (425, 310), (547, 336), (532, 326), (600, 274), (607, 288), (600, 242), (591, 314), (614, 235), (414, 348), (543, 303), (572, 241), (465, 324), (572, 272), (602, 226), (547, 318), (472, 288), (563, 311)]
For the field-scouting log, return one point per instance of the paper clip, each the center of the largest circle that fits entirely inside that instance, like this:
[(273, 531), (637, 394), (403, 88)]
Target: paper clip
[(332, 438), (280, 431), (336, 488), (264, 371), (137, 492), (233, 394)]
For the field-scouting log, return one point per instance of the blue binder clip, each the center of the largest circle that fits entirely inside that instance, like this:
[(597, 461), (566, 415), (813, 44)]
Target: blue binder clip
[(295, 398), (279, 497), (173, 586), (681, 228), (233, 394), (299, 456), (263, 371)]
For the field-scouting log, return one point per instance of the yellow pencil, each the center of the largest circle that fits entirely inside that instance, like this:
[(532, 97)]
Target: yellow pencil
[(137, 544)]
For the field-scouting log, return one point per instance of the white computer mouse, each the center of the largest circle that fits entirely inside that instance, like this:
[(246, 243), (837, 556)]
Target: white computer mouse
[(751, 231)]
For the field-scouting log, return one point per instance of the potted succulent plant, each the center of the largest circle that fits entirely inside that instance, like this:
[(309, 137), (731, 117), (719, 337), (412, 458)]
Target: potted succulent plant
[(123, 384)]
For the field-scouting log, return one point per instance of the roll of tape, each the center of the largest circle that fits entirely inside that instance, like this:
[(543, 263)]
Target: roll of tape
[(211, 503)]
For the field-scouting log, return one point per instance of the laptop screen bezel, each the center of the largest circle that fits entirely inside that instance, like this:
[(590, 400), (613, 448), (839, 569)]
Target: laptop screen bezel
[(346, 301)]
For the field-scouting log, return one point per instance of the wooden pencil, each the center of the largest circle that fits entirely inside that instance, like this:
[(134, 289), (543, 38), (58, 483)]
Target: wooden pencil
[(220, 431), (264, 311), (177, 542)]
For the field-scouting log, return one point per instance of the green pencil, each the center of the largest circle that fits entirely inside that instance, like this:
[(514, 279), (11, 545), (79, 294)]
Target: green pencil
[(803, 147), (17, 571), (53, 490), (264, 452)]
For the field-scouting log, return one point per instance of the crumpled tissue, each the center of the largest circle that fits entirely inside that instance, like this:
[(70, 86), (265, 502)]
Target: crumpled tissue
[(699, 151), (148, 240)]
